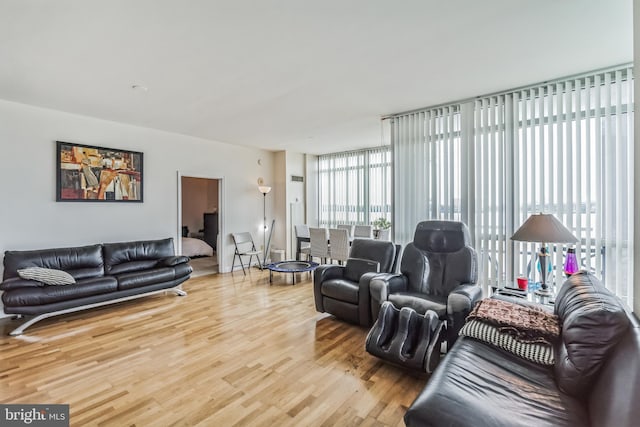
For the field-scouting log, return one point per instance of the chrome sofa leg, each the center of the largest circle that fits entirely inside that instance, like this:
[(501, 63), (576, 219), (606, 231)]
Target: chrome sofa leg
[(20, 329)]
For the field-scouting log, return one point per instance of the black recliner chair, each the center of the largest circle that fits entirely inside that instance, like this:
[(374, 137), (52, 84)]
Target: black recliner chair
[(438, 272), (344, 290)]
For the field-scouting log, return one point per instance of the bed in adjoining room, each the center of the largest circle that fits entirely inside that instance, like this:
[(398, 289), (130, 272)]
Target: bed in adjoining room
[(194, 248)]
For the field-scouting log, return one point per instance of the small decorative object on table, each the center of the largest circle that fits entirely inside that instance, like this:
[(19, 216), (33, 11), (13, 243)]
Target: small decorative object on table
[(379, 225), (571, 263)]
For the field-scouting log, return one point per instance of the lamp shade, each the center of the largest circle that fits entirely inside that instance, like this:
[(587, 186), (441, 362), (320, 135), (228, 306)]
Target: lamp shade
[(264, 189), (544, 228)]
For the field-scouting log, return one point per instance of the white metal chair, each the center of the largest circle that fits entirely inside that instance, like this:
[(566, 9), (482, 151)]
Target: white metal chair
[(347, 227), (339, 241), (244, 247), (305, 247), (319, 243), (363, 231)]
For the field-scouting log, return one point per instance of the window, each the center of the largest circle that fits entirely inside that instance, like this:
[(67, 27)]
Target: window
[(564, 148), (354, 187)]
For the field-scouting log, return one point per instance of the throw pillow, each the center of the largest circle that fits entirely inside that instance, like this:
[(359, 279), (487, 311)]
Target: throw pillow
[(534, 352), (48, 276)]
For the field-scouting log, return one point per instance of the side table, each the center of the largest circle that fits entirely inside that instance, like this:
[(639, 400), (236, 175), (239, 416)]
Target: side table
[(508, 289)]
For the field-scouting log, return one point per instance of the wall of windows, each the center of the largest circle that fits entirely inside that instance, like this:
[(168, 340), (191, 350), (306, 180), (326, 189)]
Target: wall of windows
[(564, 148), (354, 187)]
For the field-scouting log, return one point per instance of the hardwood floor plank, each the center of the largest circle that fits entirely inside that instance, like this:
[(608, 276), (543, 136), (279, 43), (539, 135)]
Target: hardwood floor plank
[(234, 351)]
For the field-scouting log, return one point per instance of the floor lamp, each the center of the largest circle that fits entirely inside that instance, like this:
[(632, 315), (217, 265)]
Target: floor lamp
[(264, 189)]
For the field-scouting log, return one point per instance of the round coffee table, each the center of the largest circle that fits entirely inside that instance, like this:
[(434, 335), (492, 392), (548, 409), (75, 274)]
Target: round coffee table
[(292, 267)]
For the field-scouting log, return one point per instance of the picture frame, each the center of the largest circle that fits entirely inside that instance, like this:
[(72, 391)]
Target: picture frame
[(87, 173)]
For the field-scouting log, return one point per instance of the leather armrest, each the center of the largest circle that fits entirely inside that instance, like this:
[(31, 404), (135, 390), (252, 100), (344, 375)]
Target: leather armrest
[(463, 297), (321, 274), (384, 284), (172, 261), (381, 286), (19, 283), (364, 298), (459, 304)]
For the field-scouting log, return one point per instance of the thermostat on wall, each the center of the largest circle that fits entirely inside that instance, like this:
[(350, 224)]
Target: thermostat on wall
[(296, 178)]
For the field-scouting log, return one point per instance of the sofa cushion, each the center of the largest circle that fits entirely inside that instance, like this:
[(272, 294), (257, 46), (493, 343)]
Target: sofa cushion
[(480, 385), (51, 294), (340, 289), (81, 262), (137, 279), (135, 256), (593, 321), (132, 267), (48, 276)]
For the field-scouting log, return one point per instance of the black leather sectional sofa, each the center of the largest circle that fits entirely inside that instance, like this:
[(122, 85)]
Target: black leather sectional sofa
[(595, 380), (103, 273)]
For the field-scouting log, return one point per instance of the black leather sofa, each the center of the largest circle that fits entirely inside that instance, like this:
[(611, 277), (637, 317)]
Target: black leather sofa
[(595, 380), (104, 274)]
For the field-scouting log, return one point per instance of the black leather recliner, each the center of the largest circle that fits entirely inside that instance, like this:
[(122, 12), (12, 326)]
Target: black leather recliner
[(438, 272), (344, 290)]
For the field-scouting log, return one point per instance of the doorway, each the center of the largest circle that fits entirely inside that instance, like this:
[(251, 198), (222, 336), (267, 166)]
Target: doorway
[(199, 206)]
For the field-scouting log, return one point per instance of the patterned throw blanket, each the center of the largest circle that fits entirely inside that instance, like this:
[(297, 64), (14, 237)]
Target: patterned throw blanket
[(526, 324)]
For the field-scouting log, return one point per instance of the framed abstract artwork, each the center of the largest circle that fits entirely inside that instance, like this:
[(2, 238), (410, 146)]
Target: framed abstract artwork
[(85, 173)]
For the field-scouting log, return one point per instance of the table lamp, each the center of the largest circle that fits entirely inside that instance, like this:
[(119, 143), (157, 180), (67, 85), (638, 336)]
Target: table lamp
[(543, 228)]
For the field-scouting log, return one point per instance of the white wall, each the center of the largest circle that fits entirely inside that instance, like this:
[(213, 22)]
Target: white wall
[(278, 199), (295, 201), (311, 189), (30, 218)]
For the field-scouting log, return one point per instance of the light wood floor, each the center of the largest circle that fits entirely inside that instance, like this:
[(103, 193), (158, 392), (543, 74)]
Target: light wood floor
[(235, 351)]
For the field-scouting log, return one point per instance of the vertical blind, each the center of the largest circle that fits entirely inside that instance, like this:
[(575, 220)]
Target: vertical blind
[(564, 148), (426, 157), (354, 187)]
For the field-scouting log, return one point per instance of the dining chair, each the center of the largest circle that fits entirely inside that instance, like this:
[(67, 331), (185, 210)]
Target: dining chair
[(302, 230), (339, 241), (347, 227), (365, 231), (319, 244)]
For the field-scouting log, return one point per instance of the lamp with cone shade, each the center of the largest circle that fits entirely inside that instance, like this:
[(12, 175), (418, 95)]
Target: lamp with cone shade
[(543, 228)]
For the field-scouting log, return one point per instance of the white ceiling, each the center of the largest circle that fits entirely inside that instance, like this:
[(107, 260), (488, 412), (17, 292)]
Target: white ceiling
[(300, 75)]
